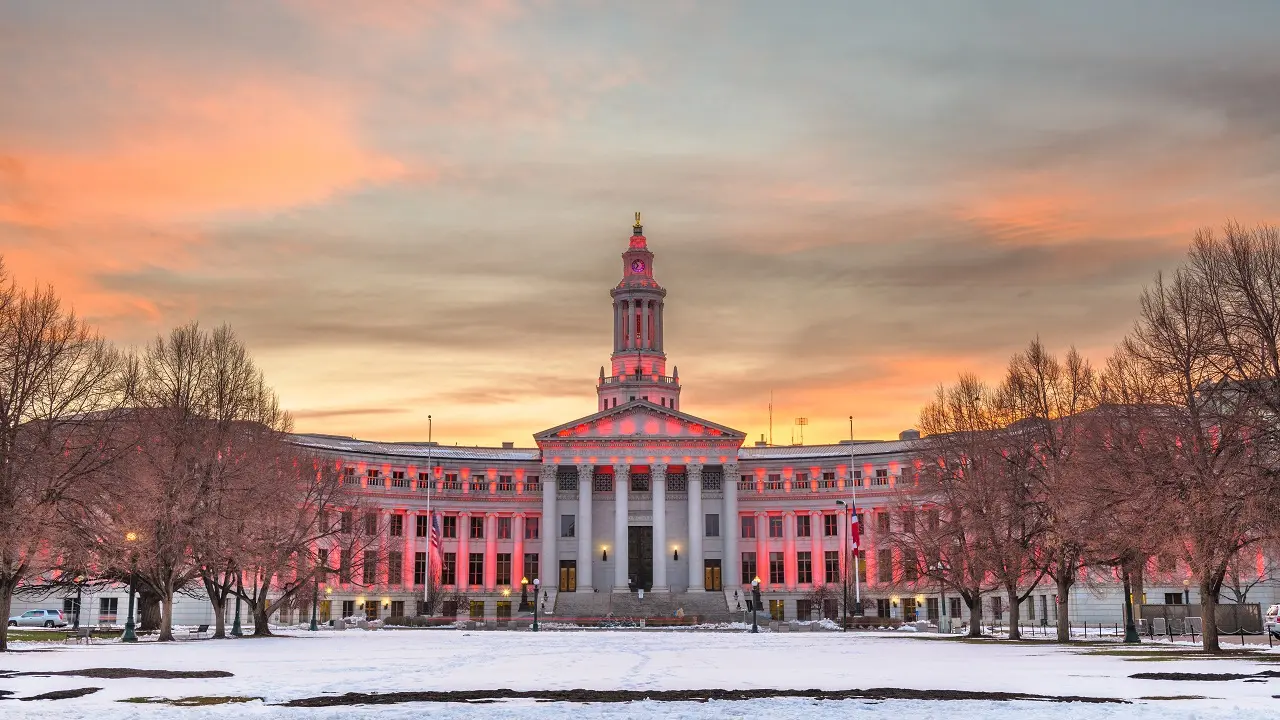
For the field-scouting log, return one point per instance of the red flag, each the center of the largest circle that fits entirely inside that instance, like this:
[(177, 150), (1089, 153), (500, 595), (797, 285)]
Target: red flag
[(854, 534)]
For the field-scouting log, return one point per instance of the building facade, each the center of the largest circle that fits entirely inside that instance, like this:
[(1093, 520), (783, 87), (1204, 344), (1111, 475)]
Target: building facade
[(642, 495)]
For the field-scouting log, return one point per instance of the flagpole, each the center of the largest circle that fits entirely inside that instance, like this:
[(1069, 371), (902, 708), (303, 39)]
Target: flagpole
[(857, 564), (431, 523)]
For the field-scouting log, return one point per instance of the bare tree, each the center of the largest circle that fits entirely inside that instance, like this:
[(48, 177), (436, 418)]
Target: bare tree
[(59, 387), (1190, 438)]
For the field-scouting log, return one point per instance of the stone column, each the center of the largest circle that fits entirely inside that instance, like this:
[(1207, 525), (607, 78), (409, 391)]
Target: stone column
[(841, 526), (410, 546), (762, 548), (819, 557), (549, 535), (463, 565), (790, 570), (517, 552), (732, 561), (646, 329), (490, 552), (658, 314), (584, 529), (621, 488), (658, 483), (697, 576)]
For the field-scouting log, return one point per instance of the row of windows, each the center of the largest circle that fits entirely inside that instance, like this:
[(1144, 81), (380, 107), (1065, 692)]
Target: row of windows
[(448, 526), (710, 525), (776, 570), (448, 567)]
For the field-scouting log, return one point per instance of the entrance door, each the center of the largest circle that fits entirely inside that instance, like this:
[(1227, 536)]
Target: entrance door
[(711, 574), (640, 556), (568, 576)]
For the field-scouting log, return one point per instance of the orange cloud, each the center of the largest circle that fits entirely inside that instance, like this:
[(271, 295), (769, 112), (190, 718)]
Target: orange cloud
[(244, 146)]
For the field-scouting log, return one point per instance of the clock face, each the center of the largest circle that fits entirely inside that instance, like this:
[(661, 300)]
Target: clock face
[(637, 266)]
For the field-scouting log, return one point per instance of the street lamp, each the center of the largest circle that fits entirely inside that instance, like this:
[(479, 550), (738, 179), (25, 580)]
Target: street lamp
[(524, 594), (536, 585), (129, 634), (755, 603), (315, 603), (941, 567), (79, 579)]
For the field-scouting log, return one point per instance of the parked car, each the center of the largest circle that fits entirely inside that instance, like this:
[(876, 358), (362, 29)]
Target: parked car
[(39, 618), (1271, 621)]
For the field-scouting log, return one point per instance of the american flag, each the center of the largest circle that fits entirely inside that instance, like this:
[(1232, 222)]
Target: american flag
[(855, 536), (435, 532)]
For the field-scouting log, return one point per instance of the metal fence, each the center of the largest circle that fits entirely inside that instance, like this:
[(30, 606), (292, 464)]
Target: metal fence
[(1232, 619)]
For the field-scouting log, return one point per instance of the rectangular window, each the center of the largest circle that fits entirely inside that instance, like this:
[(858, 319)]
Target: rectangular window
[(830, 525), (371, 524), (370, 567), (1173, 598), (420, 526), (882, 522), (776, 610), (424, 480), (531, 568), (322, 561), (804, 609), (344, 566), (566, 526), (396, 528), (531, 528), (910, 568), (908, 521), (348, 608), (777, 570), (997, 607), (954, 602), (448, 569), (804, 567), (448, 526), (345, 522), (883, 608), (475, 570), (419, 568), (397, 608), (711, 525), (504, 569), (371, 609), (802, 526), (477, 528), (831, 566), (775, 527), (504, 528), (884, 566), (395, 571), (748, 526), (748, 567), (107, 608)]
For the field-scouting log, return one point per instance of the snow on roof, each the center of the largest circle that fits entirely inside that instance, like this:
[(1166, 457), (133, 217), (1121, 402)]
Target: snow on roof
[(336, 443), (349, 445)]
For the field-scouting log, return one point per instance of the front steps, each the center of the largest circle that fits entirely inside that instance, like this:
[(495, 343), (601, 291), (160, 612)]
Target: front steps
[(709, 607)]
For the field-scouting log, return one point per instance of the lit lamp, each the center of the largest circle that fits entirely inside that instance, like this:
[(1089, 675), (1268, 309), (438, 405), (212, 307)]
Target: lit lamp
[(524, 594), (129, 634), (604, 553), (536, 585), (676, 555)]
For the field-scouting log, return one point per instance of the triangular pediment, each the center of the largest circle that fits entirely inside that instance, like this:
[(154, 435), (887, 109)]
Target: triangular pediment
[(639, 419)]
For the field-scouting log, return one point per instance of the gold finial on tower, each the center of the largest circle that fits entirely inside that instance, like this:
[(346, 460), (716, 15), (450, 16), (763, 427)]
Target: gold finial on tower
[(637, 219)]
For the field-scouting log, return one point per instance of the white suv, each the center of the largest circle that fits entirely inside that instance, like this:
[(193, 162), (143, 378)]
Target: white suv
[(1271, 621), (39, 618)]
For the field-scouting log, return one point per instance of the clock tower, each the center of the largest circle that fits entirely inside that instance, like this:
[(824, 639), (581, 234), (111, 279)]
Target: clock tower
[(638, 366)]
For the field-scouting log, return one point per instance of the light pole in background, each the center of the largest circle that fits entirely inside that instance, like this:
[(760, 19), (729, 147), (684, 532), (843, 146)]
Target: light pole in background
[(129, 635), (755, 603), (536, 585)]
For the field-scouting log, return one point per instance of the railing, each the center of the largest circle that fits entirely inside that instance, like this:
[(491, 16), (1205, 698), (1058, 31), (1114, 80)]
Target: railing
[(620, 379)]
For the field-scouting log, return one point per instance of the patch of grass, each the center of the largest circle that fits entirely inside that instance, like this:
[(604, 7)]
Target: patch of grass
[(193, 701), (1184, 653), (53, 635)]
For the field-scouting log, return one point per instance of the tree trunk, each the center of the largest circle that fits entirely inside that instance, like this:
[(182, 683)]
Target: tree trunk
[(166, 619), (1138, 583), (1015, 633), (6, 605), (1209, 618), (260, 627), (975, 616), (148, 611), (219, 615), (1064, 581)]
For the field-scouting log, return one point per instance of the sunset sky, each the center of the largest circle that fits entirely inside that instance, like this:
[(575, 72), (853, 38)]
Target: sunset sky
[(413, 207)]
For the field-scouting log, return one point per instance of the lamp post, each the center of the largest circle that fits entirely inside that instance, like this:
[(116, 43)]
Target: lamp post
[(315, 604), (941, 567), (79, 588), (536, 585), (236, 631), (755, 603), (524, 594), (129, 634)]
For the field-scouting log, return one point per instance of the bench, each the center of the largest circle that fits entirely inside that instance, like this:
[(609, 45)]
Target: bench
[(198, 631)]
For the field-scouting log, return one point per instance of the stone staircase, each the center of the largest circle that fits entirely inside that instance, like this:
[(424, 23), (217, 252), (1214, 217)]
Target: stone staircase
[(709, 606)]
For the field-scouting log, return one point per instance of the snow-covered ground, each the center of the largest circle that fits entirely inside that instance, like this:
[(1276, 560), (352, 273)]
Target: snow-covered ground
[(313, 664)]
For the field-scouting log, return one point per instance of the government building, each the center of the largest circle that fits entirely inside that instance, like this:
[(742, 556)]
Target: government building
[(642, 509)]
